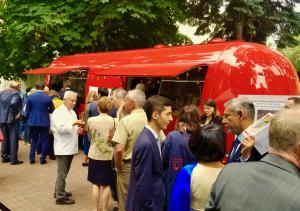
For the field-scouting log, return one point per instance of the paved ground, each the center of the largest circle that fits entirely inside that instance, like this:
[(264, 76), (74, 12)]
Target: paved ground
[(30, 187)]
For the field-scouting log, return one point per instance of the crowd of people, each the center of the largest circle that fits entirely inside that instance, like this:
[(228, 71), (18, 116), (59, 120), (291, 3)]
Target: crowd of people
[(129, 157)]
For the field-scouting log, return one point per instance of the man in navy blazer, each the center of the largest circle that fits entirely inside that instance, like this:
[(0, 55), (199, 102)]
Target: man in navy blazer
[(146, 189), (38, 107)]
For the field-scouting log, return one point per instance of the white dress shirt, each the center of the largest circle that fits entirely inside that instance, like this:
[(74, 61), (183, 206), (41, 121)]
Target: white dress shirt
[(156, 138), (65, 134)]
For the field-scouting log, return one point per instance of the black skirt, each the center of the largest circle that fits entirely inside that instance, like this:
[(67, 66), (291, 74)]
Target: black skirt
[(100, 172)]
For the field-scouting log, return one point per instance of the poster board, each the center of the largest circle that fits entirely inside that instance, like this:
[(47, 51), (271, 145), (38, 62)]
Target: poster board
[(264, 105), (267, 103)]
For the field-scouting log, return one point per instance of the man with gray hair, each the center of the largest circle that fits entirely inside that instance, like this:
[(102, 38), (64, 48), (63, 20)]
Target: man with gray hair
[(65, 127), (118, 98), (238, 116), (273, 182), (127, 131), (140, 86)]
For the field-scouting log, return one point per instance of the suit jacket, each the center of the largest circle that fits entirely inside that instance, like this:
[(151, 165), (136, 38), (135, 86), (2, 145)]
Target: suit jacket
[(38, 107), (10, 105), (271, 184), (255, 155), (146, 189)]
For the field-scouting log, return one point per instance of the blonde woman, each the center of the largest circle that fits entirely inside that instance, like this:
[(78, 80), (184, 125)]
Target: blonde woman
[(92, 97), (100, 172)]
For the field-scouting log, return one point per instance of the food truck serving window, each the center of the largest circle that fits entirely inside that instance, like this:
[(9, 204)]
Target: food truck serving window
[(183, 89), (77, 78)]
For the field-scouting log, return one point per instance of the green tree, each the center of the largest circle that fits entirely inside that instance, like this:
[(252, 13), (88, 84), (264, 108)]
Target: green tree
[(35, 31), (250, 20), (293, 54)]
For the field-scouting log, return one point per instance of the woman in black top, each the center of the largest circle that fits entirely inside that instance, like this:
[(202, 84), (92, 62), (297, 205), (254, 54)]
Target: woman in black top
[(210, 113)]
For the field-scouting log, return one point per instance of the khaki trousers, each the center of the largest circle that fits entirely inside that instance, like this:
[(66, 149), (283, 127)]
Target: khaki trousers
[(123, 177)]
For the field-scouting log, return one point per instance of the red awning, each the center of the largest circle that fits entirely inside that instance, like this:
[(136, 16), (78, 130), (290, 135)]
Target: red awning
[(55, 70), (145, 70)]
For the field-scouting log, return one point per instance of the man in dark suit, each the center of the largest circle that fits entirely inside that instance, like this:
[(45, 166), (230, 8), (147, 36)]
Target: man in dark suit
[(10, 108), (146, 189), (238, 116), (273, 183), (38, 107)]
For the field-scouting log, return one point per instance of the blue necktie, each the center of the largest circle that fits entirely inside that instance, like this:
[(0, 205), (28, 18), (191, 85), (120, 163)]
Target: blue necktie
[(234, 151)]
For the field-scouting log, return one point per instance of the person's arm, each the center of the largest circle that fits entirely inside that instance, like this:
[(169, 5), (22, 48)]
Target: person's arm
[(51, 106), (118, 156), (120, 138), (247, 146), (28, 107), (16, 104)]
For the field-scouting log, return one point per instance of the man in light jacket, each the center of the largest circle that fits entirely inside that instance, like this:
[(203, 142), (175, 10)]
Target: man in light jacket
[(65, 127)]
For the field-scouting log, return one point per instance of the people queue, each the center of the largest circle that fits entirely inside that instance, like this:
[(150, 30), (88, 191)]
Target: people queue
[(129, 157)]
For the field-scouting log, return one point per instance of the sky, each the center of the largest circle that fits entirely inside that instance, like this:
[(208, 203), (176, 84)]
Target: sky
[(189, 31)]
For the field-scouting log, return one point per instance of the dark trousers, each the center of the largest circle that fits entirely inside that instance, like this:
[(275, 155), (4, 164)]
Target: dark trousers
[(27, 137), (86, 143), (10, 145), (64, 164), (22, 127), (39, 134), (51, 145)]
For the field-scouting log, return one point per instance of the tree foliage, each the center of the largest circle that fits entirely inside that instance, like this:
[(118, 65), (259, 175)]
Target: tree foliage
[(33, 32), (293, 54), (250, 20)]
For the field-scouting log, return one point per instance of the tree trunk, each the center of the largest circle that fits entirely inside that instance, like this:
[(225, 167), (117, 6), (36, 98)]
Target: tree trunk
[(239, 27)]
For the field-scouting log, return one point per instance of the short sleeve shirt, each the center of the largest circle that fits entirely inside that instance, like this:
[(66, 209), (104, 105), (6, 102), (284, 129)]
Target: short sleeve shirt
[(128, 129)]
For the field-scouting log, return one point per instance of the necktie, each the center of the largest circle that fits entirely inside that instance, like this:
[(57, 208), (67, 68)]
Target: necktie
[(158, 145), (232, 157)]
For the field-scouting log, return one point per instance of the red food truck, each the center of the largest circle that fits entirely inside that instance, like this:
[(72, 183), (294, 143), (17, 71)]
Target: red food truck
[(220, 70)]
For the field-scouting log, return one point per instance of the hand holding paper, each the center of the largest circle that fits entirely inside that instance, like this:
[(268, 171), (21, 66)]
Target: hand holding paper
[(259, 131), (247, 145)]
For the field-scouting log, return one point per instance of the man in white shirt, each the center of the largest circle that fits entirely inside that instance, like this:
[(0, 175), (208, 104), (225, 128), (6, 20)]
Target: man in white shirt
[(65, 127)]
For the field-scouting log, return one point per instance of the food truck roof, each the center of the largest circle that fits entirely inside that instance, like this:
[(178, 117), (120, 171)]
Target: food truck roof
[(234, 67), (160, 60)]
